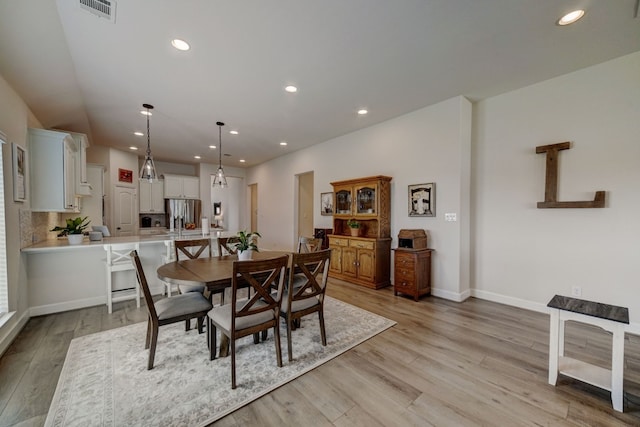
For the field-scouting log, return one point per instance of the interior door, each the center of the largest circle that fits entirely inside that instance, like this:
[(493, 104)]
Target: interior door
[(253, 188), (305, 205), (125, 211)]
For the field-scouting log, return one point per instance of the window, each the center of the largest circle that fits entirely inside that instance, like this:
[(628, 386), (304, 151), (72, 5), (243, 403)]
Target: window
[(4, 294)]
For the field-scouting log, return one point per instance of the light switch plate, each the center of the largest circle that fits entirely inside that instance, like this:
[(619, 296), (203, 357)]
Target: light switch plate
[(450, 217)]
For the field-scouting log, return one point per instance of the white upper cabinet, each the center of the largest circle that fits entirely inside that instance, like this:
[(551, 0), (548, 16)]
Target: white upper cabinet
[(181, 187), (52, 178), (151, 196), (82, 184)]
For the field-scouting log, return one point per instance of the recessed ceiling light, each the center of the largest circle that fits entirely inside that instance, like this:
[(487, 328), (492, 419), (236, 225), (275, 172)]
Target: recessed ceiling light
[(196, 157), (138, 134), (283, 143), (212, 146), (133, 148), (362, 112), (242, 160), (180, 44), (291, 89), (571, 17), (233, 132), (146, 113)]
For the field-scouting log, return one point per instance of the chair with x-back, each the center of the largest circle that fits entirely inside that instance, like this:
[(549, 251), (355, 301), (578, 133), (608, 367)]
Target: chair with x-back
[(192, 305), (249, 316), (226, 246), (305, 291), (309, 244)]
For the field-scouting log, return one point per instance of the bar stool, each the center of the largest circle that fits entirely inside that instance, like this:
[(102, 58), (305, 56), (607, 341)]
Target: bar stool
[(118, 259), (169, 256)]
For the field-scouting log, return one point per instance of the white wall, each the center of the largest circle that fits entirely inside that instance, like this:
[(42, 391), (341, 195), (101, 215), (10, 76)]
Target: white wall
[(524, 255), (428, 145), (15, 118)]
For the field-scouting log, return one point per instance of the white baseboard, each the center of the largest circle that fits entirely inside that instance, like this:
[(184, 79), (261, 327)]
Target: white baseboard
[(452, 296), (12, 332), (66, 306), (515, 302)]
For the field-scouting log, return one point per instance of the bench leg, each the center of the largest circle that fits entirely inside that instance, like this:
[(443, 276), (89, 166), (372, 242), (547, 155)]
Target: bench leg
[(617, 368), (554, 335)]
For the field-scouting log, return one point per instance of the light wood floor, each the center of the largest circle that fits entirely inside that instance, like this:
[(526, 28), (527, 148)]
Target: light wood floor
[(444, 363)]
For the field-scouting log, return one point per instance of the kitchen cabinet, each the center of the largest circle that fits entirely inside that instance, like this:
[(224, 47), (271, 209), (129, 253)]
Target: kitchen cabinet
[(181, 187), (82, 187), (151, 196), (52, 171), (365, 258)]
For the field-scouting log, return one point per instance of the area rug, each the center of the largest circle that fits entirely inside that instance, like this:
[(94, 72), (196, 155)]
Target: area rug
[(104, 380)]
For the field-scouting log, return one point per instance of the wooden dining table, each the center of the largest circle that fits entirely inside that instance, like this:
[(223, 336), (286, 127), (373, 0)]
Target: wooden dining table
[(215, 273)]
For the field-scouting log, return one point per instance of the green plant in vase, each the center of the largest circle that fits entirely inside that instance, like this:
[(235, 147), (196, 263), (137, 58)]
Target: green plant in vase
[(73, 229), (247, 242), (354, 226)]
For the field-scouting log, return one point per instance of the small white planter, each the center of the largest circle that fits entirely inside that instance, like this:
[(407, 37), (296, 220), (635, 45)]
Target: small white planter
[(245, 255), (75, 239)]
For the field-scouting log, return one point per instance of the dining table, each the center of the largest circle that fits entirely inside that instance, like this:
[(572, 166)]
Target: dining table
[(215, 273)]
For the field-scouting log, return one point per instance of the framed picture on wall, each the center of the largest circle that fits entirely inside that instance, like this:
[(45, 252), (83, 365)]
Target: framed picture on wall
[(125, 175), (422, 199), (326, 203), (19, 157)]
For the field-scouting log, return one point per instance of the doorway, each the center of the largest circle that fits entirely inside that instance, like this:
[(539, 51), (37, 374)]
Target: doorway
[(124, 211), (305, 205), (253, 191)]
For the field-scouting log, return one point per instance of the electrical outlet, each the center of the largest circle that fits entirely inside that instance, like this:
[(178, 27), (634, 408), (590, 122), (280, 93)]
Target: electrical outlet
[(576, 291), (450, 217)]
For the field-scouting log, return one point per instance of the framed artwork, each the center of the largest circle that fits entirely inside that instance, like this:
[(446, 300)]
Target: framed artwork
[(125, 175), (19, 173), (422, 199), (326, 203)]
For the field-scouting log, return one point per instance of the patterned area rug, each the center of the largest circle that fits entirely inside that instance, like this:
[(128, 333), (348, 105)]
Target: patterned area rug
[(104, 380)]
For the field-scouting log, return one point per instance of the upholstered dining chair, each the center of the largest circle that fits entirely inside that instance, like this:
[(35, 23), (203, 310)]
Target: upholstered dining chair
[(192, 249), (305, 291), (309, 244), (249, 316), (226, 245), (192, 305)]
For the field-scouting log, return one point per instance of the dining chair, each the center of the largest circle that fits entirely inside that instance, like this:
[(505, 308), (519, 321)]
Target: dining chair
[(192, 249), (249, 316), (309, 244), (305, 291), (192, 305), (226, 246)]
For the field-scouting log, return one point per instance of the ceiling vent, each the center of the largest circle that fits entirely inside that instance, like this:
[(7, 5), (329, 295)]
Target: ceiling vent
[(102, 8)]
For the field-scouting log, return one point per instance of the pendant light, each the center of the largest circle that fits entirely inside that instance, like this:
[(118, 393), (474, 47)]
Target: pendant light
[(220, 180), (148, 170)]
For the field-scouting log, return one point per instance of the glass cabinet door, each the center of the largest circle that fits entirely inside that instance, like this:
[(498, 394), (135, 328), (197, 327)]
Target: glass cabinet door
[(366, 200), (343, 202)]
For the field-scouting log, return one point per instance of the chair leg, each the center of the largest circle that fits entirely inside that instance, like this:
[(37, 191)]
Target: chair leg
[(200, 321), (256, 338), (148, 340), (323, 333), (265, 334), (211, 331), (233, 363), (289, 327), (187, 324), (109, 290), (152, 350), (276, 334)]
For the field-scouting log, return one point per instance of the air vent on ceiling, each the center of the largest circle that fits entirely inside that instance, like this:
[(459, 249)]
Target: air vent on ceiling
[(102, 8)]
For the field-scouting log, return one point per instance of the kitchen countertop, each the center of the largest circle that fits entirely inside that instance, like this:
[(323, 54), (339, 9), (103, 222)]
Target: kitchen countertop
[(55, 245)]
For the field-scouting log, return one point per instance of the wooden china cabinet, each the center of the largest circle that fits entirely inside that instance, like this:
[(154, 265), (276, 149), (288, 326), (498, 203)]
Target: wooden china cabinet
[(364, 259)]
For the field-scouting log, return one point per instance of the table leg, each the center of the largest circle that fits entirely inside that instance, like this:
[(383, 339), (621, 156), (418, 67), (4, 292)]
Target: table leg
[(554, 333), (224, 346), (617, 368)]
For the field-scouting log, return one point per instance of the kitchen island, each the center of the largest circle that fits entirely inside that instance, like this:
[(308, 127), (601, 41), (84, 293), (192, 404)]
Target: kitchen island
[(64, 277)]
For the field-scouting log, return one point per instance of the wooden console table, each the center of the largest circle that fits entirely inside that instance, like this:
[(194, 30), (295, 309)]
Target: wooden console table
[(608, 317)]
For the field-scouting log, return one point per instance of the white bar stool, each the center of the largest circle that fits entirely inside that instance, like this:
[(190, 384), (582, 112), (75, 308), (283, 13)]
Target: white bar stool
[(118, 259), (169, 256)]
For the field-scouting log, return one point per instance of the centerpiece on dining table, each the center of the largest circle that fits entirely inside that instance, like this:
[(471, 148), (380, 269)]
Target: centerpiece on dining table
[(246, 244)]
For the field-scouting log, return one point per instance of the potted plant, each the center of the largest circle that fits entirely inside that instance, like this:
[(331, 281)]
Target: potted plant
[(246, 244), (354, 226), (73, 229)]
